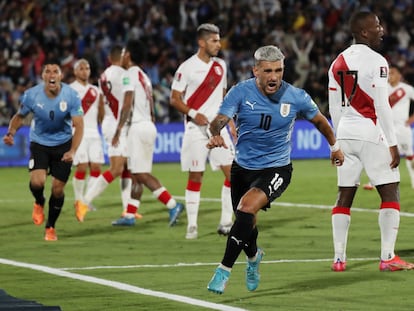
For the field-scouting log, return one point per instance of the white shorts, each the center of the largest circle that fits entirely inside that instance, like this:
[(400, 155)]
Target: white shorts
[(108, 131), (194, 153), (141, 141), (90, 150), (405, 140), (374, 158)]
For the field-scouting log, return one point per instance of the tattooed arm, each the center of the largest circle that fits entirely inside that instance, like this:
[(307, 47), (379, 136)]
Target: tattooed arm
[(216, 126)]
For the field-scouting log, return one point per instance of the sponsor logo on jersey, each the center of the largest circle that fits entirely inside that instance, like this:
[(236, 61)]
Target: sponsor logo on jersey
[(251, 105), (383, 72), (63, 106), (284, 109), (125, 81)]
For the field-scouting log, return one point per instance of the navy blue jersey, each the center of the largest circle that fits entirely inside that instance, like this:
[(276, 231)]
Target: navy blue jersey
[(265, 123), (52, 117)]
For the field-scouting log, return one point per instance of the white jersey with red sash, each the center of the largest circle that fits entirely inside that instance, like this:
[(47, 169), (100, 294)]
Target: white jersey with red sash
[(137, 81), (202, 84), (89, 95), (353, 77), (399, 98)]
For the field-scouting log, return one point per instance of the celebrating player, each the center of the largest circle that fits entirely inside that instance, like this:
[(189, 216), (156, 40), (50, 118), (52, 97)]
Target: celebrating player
[(56, 108), (266, 109)]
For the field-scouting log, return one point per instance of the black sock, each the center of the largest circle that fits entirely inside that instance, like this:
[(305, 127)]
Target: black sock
[(55, 207), (238, 237), (37, 192), (251, 248)]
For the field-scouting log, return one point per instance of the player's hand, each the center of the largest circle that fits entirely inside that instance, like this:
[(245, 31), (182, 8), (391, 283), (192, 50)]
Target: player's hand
[(200, 119), (216, 141), (8, 139), (115, 140), (337, 158), (395, 155), (68, 156)]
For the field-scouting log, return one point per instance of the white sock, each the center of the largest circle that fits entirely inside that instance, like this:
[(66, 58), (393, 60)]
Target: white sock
[(388, 220), (125, 184), (78, 187), (98, 187), (192, 203), (91, 181), (226, 206), (340, 227)]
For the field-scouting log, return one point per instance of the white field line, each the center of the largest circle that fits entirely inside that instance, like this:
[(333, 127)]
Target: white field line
[(121, 286), (201, 264), (63, 272), (277, 203)]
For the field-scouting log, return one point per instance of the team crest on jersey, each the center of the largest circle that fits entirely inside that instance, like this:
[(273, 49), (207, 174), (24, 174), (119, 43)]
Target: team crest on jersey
[(383, 72), (63, 106), (284, 109), (218, 70)]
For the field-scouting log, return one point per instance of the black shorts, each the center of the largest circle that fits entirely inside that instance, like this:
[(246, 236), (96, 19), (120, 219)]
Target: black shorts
[(50, 159), (273, 181)]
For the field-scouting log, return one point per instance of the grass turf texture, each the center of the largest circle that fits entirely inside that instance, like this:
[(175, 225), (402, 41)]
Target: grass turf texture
[(297, 241)]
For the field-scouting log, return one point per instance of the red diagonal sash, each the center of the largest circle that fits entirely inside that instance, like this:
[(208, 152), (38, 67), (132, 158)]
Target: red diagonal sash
[(145, 86), (203, 92), (112, 100), (89, 99), (396, 96)]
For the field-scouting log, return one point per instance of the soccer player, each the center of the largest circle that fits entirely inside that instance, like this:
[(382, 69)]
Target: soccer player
[(266, 108), (110, 83), (56, 108), (90, 152), (197, 90), (362, 118), (138, 106), (400, 95)]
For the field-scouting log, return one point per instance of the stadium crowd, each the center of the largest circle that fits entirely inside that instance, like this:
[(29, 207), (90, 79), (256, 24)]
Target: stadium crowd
[(309, 32)]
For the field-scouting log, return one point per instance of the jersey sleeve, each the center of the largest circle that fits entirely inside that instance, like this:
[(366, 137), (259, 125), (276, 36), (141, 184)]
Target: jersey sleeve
[(309, 108), (231, 102), (127, 81), (25, 103), (180, 79)]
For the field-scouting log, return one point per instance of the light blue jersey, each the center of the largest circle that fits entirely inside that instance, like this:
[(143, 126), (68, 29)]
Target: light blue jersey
[(52, 117), (264, 123)]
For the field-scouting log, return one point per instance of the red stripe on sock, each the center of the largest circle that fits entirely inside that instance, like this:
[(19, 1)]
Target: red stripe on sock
[(131, 209), (394, 205), (341, 210), (193, 186), (164, 197), (108, 176), (126, 174), (410, 157), (80, 175), (95, 173), (227, 183)]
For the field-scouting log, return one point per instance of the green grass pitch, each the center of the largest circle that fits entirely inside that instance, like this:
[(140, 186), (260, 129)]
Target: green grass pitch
[(96, 267)]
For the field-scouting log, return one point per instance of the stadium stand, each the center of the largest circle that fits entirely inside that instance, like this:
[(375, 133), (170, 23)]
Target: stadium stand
[(32, 30)]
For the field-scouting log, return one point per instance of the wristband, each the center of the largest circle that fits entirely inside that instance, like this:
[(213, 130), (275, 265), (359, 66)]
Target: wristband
[(334, 147), (192, 113)]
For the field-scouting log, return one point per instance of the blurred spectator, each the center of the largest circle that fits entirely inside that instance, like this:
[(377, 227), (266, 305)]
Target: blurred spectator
[(33, 30)]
